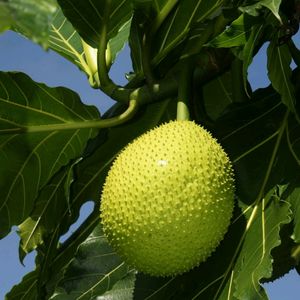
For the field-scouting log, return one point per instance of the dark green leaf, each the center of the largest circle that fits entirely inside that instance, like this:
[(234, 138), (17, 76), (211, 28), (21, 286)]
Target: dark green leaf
[(135, 43), (118, 42), (26, 289), (280, 73), (237, 34), (217, 95), (94, 270), (249, 47), (88, 17), (122, 290), (53, 200), (31, 153), (178, 24)]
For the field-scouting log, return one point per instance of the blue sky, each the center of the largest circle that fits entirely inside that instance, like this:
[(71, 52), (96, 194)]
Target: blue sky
[(19, 54)]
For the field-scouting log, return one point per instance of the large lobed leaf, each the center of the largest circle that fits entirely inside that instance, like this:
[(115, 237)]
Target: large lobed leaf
[(30, 157)]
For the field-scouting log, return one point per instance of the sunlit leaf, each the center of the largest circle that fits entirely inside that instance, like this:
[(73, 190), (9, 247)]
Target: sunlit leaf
[(31, 18), (66, 41), (273, 6), (269, 216), (6, 19), (255, 8)]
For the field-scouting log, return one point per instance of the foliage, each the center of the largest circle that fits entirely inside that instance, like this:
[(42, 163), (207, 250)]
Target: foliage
[(55, 151)]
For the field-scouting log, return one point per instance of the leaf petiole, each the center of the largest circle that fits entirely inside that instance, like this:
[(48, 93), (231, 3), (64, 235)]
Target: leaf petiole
[(99, 123)]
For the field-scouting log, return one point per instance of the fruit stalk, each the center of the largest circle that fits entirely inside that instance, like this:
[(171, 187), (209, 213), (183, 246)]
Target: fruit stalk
[(184, 92)]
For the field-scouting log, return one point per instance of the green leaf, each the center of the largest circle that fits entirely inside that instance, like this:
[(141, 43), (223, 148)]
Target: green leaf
[(33, 146), (294, 145), (33, 285), (259, 162), (217, 95), (179, 23), (296, 208), (254, 9), (64, 40), (88, 17), (51, 262), (256, 259), (31, 18), (122, 290), (53, 200), (26, 289), (249, 47), (237, 34), (6, 19), (280, 73), (94, 270), (135, 43), (118, 42), (273, 6)]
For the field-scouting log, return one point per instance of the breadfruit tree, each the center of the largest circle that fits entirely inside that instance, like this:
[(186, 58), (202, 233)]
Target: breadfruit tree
[(199, 174)]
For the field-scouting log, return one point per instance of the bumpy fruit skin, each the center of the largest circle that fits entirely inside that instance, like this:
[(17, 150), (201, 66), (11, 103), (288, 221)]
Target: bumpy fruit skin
[(168, 199)]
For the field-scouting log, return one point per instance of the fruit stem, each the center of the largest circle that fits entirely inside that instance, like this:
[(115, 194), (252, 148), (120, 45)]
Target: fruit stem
[(184, 92)]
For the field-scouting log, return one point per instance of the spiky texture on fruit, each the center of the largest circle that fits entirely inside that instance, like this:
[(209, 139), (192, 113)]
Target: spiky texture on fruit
[(168, 199)]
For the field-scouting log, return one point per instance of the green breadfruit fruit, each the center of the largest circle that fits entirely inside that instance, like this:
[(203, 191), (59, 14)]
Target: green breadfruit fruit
[(168, 199)]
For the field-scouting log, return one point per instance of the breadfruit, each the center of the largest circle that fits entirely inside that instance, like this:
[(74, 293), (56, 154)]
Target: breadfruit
[(168, 199)]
